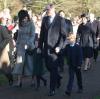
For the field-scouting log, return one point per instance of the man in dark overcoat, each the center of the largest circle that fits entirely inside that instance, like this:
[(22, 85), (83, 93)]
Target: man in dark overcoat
[(53, 31)]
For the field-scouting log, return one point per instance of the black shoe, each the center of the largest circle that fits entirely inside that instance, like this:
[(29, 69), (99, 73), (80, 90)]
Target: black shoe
[(51, 93), (68, 93), (58, 84), (10, 82), (10, 79)]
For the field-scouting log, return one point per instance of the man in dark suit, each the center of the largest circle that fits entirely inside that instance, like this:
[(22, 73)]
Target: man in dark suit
[(95, 27), (53, 31)]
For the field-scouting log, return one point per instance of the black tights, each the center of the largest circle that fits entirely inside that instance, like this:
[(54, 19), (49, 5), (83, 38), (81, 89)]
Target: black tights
[(38, 78)]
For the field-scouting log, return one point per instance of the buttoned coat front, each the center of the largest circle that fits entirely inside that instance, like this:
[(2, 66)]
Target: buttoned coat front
[(26, 36)]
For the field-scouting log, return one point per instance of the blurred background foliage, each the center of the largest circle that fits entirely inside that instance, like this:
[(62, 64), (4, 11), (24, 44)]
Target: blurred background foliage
[(71, 7)]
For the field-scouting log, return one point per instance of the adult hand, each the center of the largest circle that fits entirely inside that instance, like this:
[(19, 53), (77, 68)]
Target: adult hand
[(26, 47), (57, 49), (98, 38)]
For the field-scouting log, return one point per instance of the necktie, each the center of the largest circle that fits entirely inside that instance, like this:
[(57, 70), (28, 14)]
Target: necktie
[(49, 22)]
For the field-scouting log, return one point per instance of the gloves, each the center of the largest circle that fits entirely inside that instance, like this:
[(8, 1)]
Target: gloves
[(29, 51)]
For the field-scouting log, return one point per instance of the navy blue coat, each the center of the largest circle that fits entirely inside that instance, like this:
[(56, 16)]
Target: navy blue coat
[(73, 55)]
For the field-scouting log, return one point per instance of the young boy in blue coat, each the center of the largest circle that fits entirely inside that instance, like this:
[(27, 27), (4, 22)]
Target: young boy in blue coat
[(73, 54)]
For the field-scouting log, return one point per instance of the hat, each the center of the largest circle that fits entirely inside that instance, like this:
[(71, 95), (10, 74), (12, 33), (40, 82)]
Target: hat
[(22, 14), (49, 6)]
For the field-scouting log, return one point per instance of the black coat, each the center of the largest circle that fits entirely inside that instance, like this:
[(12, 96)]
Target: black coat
[(52, 36), (74, 55), (95, 27), (85, 36), (69, 26)]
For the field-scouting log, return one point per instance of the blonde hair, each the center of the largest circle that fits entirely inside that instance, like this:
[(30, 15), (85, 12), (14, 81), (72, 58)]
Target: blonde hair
[(71, 36)]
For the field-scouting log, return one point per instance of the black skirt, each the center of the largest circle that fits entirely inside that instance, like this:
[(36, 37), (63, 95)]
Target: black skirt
[(87, 52)]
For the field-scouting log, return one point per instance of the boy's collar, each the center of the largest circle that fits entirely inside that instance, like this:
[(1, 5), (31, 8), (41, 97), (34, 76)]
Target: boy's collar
[(72, 44)]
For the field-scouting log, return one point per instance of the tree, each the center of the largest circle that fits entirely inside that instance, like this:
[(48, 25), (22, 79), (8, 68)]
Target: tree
[(38, 5), (71, 7), (13, 5)]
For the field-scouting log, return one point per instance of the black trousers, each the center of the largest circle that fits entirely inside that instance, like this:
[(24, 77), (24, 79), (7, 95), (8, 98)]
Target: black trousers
[(95, 53), (61, 62), (72, 73), (52, 66), (38, 78)]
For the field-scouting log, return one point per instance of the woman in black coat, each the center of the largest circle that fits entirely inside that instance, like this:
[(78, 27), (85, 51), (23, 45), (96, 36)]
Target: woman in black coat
[(86, 38)]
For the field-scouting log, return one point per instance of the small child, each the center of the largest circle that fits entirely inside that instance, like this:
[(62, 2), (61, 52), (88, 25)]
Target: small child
[(38, 69), (73, 54)]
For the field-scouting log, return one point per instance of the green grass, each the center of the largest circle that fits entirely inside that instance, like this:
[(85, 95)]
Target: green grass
[(3, 79), (97, 97)]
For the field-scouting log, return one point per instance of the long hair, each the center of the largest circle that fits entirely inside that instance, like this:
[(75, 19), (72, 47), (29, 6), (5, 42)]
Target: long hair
[(21, 15)]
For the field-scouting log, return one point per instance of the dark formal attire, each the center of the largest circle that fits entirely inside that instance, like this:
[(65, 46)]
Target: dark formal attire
[(69, 26), (69, 29), (87, 39), (51, 36), (74, 61), (95, 27), (38, 67)]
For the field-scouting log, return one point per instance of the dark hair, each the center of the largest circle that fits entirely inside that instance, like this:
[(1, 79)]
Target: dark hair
[(61, 11), (21, 15), (83, 15)]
